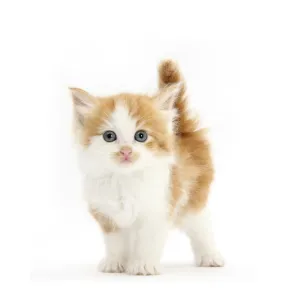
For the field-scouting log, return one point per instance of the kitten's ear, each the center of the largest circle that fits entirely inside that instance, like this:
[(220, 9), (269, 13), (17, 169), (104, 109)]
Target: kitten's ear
[(167, 96), (83, 103)]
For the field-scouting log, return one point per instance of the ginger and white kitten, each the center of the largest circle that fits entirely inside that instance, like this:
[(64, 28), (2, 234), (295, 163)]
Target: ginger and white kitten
[(146, 168)]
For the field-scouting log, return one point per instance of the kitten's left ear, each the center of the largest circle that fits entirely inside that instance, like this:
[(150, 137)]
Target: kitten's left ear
[(167, 96), (83, 103)]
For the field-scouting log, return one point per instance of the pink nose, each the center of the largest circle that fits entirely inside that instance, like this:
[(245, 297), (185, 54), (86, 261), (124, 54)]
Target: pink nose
[(126, 152)]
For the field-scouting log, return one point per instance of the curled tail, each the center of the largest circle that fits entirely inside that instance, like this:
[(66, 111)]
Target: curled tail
[(169, 73)]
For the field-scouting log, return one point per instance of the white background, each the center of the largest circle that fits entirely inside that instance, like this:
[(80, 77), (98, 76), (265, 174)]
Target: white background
[(241, 60)]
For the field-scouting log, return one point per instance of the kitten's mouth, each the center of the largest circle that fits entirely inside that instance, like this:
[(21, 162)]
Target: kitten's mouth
[(125, 161)]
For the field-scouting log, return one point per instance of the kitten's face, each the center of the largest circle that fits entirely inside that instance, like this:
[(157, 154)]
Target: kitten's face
[(123, 133)]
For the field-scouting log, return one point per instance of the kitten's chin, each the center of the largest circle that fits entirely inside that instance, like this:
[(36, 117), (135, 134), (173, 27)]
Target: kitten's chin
[(144, 165), (127, 167)]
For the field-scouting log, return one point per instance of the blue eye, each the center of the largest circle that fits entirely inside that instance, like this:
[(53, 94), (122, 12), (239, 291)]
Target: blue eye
[(141, 136), (109, 136)]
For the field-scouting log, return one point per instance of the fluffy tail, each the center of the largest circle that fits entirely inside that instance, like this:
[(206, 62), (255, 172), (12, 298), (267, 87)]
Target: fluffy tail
[(169, 73)]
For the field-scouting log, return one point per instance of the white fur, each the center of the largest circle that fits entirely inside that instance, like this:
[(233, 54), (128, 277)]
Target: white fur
[(147, 239), (138, 204), (115, 260), (182, 201), (134, 196), (198, 228)]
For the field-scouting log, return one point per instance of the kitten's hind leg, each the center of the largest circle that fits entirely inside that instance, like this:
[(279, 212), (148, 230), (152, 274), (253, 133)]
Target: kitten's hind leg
[(197, 226)]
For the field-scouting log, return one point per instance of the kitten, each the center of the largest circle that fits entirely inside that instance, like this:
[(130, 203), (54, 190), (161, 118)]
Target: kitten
[(146, 168)]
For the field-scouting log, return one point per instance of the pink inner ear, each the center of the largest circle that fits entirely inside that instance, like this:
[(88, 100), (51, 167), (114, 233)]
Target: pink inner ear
[(77, 101), (83, 102), (168, 95)]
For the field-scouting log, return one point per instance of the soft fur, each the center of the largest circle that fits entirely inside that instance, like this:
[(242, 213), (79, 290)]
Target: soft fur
[(165, 184)]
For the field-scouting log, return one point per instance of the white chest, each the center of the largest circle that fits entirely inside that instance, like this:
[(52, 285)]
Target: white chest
[(125, 197)]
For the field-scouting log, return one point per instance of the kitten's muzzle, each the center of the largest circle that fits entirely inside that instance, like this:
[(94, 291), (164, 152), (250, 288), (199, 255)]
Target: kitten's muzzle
[(126, 153)]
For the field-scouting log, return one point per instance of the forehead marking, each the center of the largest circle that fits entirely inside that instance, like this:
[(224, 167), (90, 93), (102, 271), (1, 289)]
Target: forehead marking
[(123, 124)]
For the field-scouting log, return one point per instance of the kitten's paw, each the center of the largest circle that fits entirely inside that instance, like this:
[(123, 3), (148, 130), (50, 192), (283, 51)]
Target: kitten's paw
[(142, 268), (211, 260), (111, 266)]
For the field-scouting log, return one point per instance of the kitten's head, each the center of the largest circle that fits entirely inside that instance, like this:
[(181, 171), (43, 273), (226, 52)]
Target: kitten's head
[(126, 132)]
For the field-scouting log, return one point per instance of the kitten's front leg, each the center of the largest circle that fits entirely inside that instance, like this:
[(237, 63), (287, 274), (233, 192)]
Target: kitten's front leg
[(116, 252), (147, 239), (123, 214), (116, 244)]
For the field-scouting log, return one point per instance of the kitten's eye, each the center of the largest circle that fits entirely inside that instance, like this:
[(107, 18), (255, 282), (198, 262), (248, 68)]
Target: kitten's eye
[(109, 136), (141, 136)]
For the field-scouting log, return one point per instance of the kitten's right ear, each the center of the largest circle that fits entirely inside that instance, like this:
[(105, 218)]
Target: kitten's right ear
[(83, 103)]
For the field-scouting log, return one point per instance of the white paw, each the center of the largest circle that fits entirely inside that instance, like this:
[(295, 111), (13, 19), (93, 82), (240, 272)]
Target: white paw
[(211, 260), (142, 268), (111, 266)]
